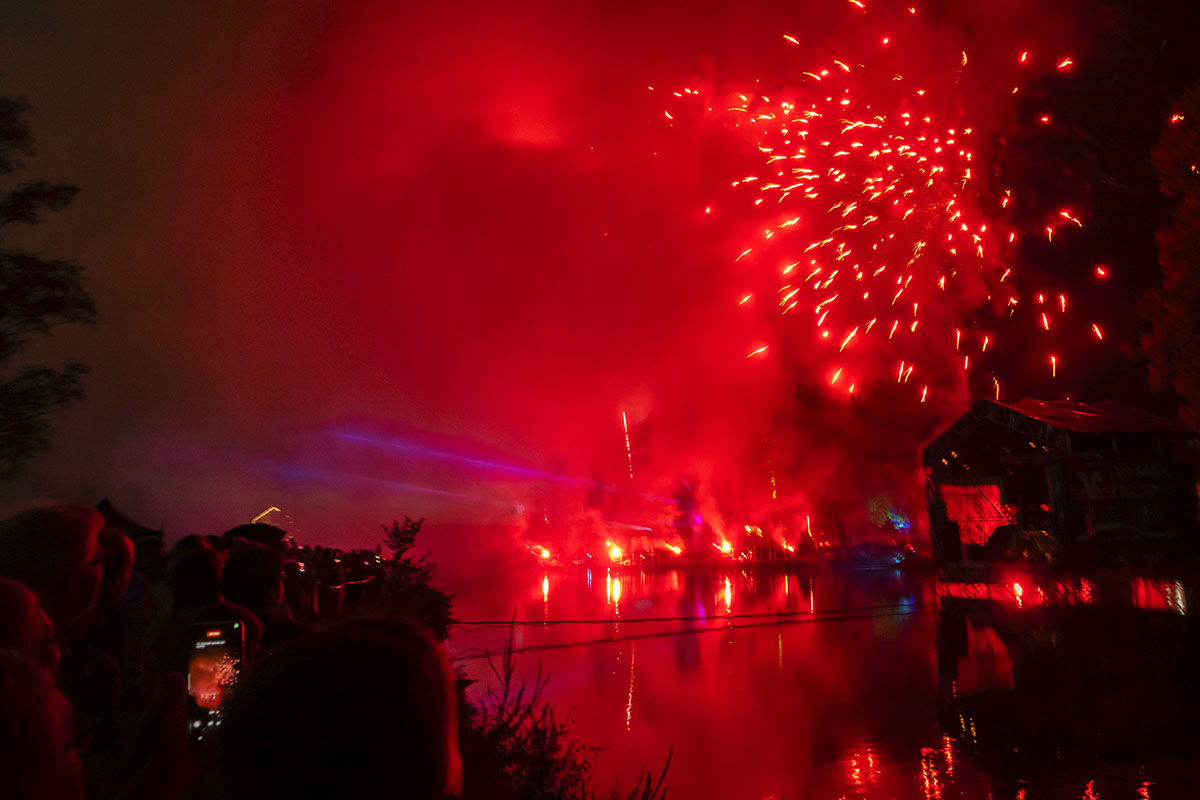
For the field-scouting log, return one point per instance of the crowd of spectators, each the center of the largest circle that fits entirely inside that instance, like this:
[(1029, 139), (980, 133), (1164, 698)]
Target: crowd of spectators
[(95, 638)]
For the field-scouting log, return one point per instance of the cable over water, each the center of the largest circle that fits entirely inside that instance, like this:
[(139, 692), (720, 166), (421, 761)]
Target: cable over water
[(757, 620)]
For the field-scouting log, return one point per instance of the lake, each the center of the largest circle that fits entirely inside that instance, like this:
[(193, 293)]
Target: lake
[(832, 684)]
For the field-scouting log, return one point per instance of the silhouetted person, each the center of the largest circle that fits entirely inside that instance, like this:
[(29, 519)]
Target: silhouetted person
[(360, 710), (253, 577), (330, 586), (296, 593), (37, 761), (259, 533), (108, 620), (195, 579), (56, 552), (148, 558), (189, 544), (24, 626)]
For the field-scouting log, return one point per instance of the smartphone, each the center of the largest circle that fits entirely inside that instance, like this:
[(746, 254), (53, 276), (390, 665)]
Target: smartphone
[(214, 662)]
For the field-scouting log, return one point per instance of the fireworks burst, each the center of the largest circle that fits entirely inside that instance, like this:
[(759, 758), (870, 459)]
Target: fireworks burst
[(887, 256)]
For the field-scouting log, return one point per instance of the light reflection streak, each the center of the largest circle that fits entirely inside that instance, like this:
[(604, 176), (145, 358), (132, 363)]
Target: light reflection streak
[(629, 700), (929, 775)]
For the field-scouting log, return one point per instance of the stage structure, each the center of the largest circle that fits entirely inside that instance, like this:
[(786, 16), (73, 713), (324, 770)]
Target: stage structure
[(1061, 484)]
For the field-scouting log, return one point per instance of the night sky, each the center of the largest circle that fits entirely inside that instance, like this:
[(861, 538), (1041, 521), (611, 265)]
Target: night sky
[(356, 259)]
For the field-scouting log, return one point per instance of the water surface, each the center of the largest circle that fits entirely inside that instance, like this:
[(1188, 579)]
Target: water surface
[(817, 684)]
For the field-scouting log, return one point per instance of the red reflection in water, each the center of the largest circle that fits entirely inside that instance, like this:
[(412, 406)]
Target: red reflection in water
[(930, 783), (1152, 594), (1159, 595), (862, 770), (777, 715), (843, 715), (629, 700), (986, 665)]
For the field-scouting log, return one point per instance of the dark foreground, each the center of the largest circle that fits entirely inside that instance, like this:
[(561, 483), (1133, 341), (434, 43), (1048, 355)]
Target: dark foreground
[(847, 684)]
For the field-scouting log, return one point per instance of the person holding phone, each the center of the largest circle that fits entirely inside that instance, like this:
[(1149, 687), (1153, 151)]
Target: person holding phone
[(373, 694)]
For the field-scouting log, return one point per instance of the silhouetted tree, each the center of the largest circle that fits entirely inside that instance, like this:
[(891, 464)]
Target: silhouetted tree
[(408, 580), (36, 296), (515, 747), (1172, 348)]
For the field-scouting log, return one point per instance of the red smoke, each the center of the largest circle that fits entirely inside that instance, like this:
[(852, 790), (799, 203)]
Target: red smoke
[(460, 224)]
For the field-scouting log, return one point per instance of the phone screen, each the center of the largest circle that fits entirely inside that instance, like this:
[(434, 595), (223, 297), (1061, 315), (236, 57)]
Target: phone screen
[(213, 666)]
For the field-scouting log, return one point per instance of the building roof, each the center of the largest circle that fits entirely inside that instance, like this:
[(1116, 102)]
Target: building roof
[(990, 427), (1101, 417), (115, 519)]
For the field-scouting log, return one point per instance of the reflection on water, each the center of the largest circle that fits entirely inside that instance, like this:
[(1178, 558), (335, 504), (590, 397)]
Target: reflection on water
[(835, 685), (1033, 695)]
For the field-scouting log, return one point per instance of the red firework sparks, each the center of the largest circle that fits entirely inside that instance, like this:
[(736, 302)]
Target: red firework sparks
[(867, 212)]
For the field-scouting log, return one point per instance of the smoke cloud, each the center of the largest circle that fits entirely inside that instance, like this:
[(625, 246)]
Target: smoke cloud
[(361, 260)]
